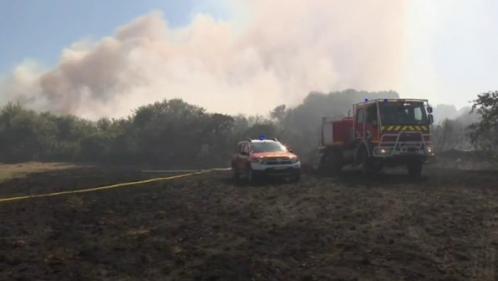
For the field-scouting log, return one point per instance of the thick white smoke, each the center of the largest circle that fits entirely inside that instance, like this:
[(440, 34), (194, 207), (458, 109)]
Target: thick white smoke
[(282, 51)]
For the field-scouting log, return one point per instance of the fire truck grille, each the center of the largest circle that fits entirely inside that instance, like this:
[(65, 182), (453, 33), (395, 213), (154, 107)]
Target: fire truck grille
[(410, 137)]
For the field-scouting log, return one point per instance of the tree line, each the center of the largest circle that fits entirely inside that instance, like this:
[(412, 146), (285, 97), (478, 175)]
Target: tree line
[(173, 133)]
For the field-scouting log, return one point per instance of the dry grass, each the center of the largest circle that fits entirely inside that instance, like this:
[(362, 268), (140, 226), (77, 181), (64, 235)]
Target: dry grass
[(10, 171)]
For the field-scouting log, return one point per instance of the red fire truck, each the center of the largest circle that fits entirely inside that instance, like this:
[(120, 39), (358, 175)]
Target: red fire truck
[(381, 132)]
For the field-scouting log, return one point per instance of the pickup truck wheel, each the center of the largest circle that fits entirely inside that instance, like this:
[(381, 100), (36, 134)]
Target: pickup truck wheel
[(296, 177), (251, 176), (235, 175)]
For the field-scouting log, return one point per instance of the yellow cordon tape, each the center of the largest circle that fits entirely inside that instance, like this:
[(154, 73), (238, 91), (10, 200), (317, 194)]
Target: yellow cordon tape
[(107, 187)]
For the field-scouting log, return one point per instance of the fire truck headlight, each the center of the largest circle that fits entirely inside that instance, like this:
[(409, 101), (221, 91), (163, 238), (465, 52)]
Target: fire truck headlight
[(382, 150), (429, 149)]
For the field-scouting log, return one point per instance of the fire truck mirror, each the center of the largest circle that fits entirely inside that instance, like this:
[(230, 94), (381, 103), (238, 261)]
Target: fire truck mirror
[(431, 119), (429, 109)]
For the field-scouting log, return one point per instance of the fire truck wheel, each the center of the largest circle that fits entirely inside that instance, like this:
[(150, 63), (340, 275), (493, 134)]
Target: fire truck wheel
[(331, 163), (414, 169), (335, 162), (316, 161), (368, 166)]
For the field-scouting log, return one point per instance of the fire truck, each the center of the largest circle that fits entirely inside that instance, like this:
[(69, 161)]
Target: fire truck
[(381, 132)]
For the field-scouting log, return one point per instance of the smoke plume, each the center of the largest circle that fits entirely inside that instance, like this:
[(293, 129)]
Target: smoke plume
[(279, 53)]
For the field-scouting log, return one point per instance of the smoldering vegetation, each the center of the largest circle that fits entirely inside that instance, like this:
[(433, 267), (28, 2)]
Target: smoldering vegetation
[(469, 140), (171, 133), (175, 134)]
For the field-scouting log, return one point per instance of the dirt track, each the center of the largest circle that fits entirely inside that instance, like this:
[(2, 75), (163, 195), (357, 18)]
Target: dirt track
[(443, 227)]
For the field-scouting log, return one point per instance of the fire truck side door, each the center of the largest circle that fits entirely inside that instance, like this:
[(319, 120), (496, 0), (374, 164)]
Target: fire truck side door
[(372, 122), (360, 123)]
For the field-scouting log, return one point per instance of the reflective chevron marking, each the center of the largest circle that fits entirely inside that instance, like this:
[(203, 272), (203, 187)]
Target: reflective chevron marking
[(399, 128)]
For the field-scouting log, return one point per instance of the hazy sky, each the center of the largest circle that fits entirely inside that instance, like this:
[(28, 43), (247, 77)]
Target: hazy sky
[(445, 50), (453, 49), (41, 29)]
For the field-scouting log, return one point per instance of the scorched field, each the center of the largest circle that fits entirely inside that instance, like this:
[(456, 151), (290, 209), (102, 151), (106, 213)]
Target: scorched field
[(204, 227)]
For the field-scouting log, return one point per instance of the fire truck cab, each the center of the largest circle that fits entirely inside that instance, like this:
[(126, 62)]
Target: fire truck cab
[(382, 132)]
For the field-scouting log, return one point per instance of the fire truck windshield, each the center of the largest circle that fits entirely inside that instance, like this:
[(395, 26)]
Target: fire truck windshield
[(403, 113)]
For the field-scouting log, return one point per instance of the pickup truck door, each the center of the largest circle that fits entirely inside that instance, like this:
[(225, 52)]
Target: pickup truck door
[(242, 157)]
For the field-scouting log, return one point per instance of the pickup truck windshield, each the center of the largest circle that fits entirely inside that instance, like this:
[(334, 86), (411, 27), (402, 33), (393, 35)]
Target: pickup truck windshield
[(268, 147), (403, 113)]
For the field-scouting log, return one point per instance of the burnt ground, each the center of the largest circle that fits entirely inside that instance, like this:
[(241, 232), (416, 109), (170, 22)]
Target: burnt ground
[(441, 227)]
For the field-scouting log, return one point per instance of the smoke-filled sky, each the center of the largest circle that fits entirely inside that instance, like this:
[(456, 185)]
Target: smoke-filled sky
[(105, 58)]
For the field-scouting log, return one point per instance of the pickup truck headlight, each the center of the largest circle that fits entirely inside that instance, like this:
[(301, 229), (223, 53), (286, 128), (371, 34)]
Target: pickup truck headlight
[(257, 160)]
